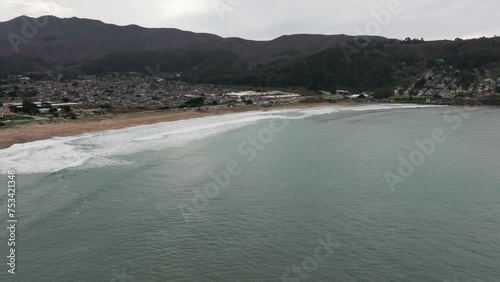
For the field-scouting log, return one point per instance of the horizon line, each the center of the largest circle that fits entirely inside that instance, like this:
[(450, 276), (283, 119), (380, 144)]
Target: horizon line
[(238, 37)]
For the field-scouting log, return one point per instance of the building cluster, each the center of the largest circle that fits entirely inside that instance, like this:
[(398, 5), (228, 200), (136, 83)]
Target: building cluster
[(451, 84), (117, 91), (262, 98), (338, 95), (129, 91)]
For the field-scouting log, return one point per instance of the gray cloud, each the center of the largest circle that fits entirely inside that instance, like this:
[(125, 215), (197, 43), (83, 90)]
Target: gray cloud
[(267, 19)]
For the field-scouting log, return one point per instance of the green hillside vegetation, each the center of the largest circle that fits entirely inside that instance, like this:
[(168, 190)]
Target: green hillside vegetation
[(359, 64), (20, 64), (168, 61), (368, 65)]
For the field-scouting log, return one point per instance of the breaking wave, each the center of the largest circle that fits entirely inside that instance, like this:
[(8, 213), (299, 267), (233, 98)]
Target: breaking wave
[(101, 149)]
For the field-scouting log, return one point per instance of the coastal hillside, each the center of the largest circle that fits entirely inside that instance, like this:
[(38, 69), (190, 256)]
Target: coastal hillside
[(66, 41), (374, 64), (74, 47)]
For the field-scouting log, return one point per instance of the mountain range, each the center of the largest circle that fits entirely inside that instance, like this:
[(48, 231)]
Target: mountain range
[(78, 46), (66, 41)]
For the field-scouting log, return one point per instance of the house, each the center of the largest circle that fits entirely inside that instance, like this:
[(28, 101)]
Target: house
[(5, 112), (489, 84), (428, 93), (343, 92)]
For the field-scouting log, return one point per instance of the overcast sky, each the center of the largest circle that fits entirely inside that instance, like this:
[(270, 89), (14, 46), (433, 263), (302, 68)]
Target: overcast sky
[(268, 19)]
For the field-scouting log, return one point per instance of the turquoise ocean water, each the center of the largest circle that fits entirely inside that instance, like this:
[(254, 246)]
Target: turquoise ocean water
[(333, 194)]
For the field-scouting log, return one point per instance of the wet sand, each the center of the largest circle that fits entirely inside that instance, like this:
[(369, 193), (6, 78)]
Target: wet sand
[(41, 130)]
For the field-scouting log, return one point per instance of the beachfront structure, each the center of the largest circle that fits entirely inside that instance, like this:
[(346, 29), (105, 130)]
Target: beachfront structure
[(343, 92), (46, 104), (262, 95), (5, 112)]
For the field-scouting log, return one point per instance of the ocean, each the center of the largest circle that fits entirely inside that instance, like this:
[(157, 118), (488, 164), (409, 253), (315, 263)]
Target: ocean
[(377, 192)]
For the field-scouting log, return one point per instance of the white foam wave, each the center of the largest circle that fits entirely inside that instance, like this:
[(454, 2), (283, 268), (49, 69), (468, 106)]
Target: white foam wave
[(100, 148)]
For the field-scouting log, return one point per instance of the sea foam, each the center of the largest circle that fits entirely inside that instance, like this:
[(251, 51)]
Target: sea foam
[(101, 149)]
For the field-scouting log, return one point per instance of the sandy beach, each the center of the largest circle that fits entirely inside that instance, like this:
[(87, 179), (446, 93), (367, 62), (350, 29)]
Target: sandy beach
[(41, 130)]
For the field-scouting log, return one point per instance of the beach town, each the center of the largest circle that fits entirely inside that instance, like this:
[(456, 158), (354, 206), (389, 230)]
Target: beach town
[(44, 105), (58, 97)]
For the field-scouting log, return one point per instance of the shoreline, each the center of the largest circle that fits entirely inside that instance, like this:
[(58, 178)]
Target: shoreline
[(36, 130)]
